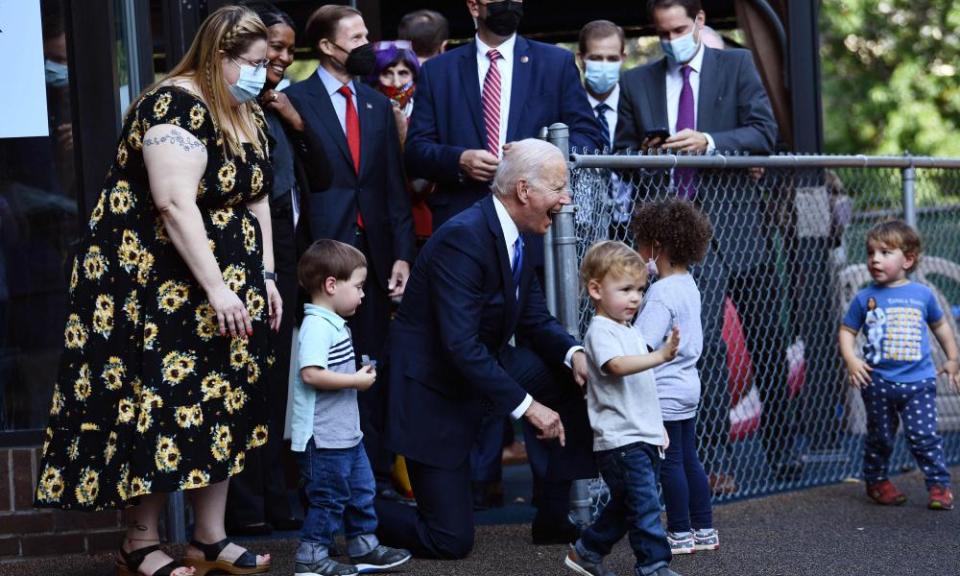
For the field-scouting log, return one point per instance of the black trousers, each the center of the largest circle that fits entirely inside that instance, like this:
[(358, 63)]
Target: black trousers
[(368, 328), (442, 525), (259, 493)]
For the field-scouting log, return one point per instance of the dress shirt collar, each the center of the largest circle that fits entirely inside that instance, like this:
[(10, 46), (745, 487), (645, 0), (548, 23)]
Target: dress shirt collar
[(329, 315), (696, 63), (505, 49), (613, 100), (331, 83), (509, 227)]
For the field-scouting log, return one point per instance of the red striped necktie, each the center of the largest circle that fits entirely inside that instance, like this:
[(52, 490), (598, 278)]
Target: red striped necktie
[(491, 103)]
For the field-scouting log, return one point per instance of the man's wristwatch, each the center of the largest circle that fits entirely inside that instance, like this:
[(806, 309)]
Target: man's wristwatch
[(269, 275)]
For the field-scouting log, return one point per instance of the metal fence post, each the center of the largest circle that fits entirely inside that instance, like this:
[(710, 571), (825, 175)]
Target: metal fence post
[(559, 135), (908, 175), (562, 292)]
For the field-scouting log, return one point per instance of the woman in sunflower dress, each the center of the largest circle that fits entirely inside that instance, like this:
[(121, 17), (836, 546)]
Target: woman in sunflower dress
[(161, 381)]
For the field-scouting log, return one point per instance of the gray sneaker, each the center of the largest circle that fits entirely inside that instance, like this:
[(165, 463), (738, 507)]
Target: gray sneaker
[(681, 542), (665, 572), (326, 567), (706, 539), (381, 559), (574, 562)]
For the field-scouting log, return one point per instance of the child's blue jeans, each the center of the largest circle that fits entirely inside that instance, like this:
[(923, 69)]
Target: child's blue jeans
[(631, 474), (340, 489), (686, 490), (916, 404)]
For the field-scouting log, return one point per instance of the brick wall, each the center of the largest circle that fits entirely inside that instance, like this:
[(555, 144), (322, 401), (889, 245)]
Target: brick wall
[(27, 532)]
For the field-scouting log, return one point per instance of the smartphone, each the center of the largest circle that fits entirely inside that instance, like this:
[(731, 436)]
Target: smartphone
[(656, 134)]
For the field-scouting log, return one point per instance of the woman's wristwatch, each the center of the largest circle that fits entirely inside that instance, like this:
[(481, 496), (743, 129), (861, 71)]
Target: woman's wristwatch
[(269, 275)]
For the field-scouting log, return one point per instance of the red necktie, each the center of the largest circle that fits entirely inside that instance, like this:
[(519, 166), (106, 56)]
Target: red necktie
[(353, 136), (491, 103)]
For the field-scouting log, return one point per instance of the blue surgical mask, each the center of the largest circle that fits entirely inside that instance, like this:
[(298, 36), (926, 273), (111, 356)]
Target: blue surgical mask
[(680, 50), (601, 77), (56, 73), (249, 84)]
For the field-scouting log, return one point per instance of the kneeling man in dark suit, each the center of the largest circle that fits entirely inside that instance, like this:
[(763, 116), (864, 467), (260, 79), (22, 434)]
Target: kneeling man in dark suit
[(452, 361)]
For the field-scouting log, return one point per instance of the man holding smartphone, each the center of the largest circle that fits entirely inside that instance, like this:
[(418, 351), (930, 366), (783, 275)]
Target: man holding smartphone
[(700, 100)]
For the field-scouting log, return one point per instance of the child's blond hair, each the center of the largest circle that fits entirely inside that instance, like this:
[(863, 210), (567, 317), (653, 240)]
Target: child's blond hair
[(611, 258)]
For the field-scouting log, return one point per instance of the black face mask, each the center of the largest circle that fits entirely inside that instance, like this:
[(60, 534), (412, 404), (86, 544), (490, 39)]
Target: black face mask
[(361, 61), (503, 18)]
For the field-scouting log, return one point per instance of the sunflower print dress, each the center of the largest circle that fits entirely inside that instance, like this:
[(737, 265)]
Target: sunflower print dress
[(149, 397)]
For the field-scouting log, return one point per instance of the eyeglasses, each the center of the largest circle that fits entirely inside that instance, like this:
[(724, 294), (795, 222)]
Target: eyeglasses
[(256, 65)]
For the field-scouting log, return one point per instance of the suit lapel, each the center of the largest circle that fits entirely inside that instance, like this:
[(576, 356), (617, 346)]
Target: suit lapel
[(323, 110), (506, 275), (657, 96), (522, 72), (709, 89), (365, 112), (470, 82)]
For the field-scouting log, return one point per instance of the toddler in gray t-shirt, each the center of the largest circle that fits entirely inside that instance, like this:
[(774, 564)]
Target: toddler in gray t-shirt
[(629, 438)]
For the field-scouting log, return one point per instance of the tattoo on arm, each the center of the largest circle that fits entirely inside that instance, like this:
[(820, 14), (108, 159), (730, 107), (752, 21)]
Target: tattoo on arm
[(177, 137)]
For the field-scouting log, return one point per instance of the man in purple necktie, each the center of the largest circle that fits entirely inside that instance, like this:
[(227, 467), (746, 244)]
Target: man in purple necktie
[(712, 101)]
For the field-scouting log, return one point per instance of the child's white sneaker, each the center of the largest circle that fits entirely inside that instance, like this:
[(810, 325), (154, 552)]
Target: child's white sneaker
[(706, 539), (681, 542)]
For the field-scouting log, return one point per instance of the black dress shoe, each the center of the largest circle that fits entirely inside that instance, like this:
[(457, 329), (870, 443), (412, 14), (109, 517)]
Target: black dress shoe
[(288, 524), (257, 529), (546, 532), (487, 495)]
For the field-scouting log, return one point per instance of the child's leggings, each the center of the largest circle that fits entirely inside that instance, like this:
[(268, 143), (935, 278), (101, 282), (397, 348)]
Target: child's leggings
[(916, 404), (686, 490)]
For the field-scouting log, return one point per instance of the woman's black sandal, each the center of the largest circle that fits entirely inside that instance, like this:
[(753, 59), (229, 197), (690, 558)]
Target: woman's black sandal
[(245, 564), (129, 562)]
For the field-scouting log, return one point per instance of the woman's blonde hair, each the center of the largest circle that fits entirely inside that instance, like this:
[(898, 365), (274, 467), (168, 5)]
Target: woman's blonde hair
[(229, 31)]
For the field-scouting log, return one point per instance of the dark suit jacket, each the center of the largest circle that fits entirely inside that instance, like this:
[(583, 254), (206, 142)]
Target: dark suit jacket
[(447, 118), (378, 191), (458, 312), (734, 109)]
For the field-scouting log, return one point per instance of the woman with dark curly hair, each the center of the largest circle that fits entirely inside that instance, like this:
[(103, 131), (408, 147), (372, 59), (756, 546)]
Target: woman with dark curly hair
[(671, 236)]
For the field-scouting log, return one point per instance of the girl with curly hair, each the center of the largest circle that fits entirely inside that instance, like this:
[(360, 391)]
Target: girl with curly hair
[(671, 236)]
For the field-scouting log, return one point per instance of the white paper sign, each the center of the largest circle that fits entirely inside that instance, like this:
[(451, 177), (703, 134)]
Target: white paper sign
[(23, 99)]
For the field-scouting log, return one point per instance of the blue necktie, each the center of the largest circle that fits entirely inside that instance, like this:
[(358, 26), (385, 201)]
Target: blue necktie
[(601, 110), (517, 265)]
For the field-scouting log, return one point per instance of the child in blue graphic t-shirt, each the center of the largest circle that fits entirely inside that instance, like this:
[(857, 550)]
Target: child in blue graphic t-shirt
[(896, 377)]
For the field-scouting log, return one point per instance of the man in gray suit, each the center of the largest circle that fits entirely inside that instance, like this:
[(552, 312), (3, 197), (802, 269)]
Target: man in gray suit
[(701, 100)]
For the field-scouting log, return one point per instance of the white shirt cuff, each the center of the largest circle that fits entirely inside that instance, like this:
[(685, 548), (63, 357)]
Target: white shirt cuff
[(568, 359), (522, 408), (711, 145)]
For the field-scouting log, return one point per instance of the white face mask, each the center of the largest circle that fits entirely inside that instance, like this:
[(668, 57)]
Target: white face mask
[(652, 269)]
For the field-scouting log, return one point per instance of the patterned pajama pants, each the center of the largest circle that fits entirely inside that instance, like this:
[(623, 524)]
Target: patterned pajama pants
[(915, 403)]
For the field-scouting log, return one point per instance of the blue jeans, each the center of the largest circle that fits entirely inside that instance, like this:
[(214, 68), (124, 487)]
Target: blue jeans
[(340, 489), (916, 403), (686, 490), (631, 474)]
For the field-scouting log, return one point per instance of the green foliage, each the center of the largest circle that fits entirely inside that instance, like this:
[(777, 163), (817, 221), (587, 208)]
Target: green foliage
[(890, 76)]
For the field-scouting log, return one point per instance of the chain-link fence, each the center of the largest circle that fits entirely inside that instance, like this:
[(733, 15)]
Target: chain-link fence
[(787, 256)]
